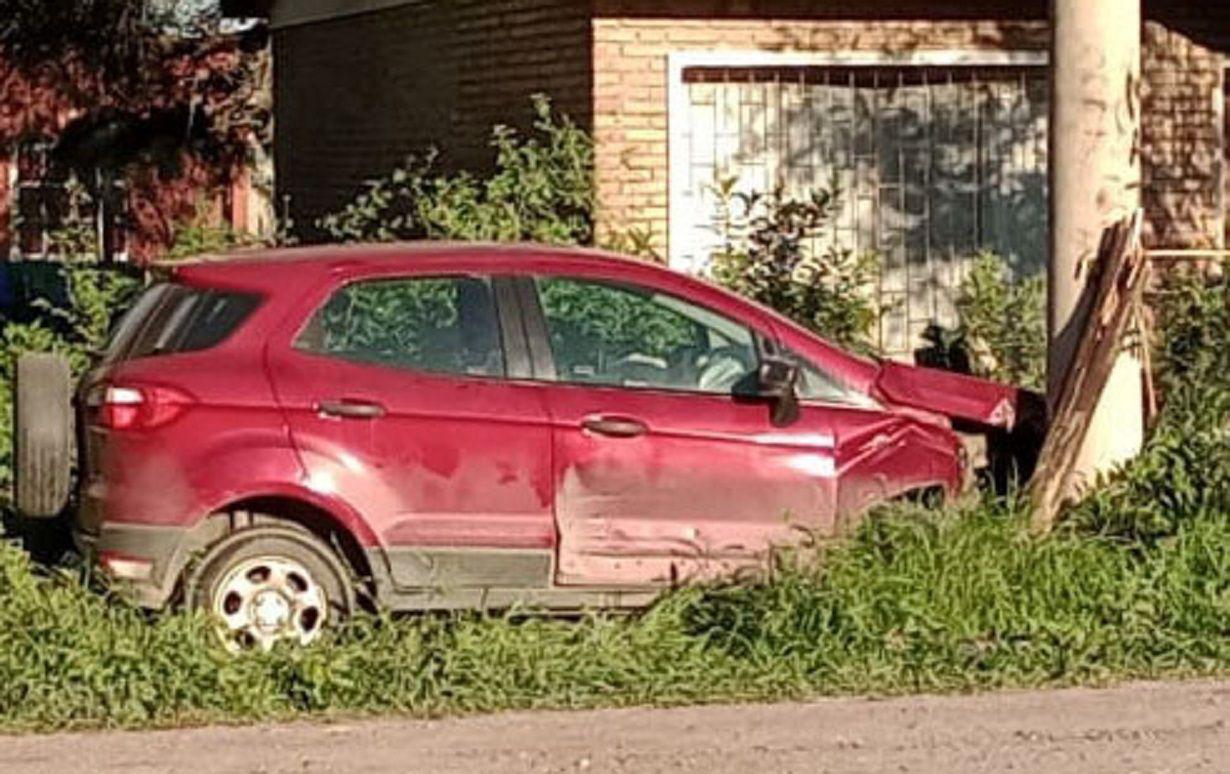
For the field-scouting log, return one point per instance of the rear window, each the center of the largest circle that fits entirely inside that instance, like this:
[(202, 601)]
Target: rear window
[(171, 318)]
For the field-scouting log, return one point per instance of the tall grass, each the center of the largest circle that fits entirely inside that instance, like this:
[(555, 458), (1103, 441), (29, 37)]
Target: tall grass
[(915, 602)]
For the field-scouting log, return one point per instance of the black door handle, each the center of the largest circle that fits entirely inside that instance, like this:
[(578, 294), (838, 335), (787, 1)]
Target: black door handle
[(350, 409), (614, 427)]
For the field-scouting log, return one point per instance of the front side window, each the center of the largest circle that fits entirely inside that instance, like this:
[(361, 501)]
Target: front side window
[(618, 335), (816, 384), (442, 325)]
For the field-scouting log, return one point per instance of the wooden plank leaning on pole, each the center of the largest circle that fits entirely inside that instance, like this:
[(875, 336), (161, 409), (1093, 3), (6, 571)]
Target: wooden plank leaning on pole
[(1117, 282)]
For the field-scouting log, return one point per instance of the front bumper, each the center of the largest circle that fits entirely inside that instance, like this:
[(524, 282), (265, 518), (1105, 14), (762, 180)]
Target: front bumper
[(142, 562)]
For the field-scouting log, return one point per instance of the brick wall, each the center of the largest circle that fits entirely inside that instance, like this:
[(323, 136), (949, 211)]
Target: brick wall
[(630, 81), (358, 93), (1182, 136), (1182, 144)]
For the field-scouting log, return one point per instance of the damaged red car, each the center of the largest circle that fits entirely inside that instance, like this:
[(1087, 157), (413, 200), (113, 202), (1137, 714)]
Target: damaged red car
[(280, 439)]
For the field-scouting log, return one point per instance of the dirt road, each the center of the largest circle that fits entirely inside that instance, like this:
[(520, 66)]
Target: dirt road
[(1142, 728)]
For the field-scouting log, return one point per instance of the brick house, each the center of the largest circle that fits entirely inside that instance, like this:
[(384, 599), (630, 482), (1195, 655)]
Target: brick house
[(134, 160), (930, 116)]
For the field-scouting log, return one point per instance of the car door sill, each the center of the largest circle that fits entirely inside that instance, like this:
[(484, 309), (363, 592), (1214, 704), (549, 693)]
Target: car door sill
[(476, 578), (550, 600), (468, 567)]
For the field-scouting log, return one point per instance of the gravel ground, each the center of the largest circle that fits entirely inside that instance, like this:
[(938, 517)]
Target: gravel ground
[(1179, 727)]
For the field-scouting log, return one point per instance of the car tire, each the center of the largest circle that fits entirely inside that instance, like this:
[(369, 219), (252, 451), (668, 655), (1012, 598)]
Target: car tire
[(43, 441), (270, 584)]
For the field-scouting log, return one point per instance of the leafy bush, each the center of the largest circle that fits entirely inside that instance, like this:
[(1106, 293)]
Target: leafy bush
[(203, 234), (541, 190), (768, 255), (1183, 476), (1003, 323)]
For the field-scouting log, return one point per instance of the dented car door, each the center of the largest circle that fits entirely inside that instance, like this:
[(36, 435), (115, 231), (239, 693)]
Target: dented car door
[(665, 469)]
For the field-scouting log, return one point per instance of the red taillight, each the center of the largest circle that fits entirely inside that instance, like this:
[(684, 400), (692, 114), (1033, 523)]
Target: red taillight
[(120, 407)]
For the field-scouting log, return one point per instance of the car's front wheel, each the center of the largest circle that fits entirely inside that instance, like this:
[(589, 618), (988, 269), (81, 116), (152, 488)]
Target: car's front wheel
[(272, 584)]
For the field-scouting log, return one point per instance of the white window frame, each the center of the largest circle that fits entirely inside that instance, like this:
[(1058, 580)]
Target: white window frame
[(677, 96)]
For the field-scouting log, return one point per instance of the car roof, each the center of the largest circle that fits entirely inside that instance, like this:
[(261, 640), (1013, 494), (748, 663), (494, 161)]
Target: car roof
[(291, 269), (479, 255)]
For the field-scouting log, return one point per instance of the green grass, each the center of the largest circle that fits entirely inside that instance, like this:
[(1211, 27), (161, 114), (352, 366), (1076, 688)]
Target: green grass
[(964, 600)]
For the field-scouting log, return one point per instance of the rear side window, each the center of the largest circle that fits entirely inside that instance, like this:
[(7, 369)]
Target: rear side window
[(443, 325), (171, 318)]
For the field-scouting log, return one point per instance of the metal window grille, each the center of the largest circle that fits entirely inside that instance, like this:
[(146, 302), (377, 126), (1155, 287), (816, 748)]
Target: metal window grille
[(932, 166)]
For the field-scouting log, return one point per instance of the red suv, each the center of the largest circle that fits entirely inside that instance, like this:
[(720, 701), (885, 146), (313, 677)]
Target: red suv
[(277, 439)]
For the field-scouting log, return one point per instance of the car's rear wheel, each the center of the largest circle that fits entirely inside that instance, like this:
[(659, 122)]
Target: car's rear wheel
[(272, 584), (42, 435)]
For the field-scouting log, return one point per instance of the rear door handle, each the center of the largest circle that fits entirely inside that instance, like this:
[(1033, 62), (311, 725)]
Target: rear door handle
[(350, 409), (614, 427)]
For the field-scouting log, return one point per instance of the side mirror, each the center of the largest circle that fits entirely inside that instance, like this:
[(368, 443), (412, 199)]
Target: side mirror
[(777, 381)]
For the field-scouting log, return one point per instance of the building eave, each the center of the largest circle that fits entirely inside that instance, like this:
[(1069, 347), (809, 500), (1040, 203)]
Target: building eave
[(284, 13)]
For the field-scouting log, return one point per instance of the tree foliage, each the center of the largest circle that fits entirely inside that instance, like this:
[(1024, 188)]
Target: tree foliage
[(116, 37), (541, 189), (110, 31), (135, 74)]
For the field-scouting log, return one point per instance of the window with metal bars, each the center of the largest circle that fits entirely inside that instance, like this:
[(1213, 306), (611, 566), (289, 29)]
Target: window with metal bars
[(931, 165)]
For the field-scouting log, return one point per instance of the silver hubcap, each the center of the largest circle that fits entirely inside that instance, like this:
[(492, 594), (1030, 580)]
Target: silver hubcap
[(263, 600)]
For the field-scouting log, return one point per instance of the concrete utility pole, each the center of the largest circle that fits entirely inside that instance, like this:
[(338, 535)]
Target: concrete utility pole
[(1095, 181)]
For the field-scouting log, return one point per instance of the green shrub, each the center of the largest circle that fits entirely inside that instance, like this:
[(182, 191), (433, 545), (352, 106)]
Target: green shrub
[(638, 242), (768, 255), (1003, 323), (541, 190), (204, 234), (1183, 476)]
